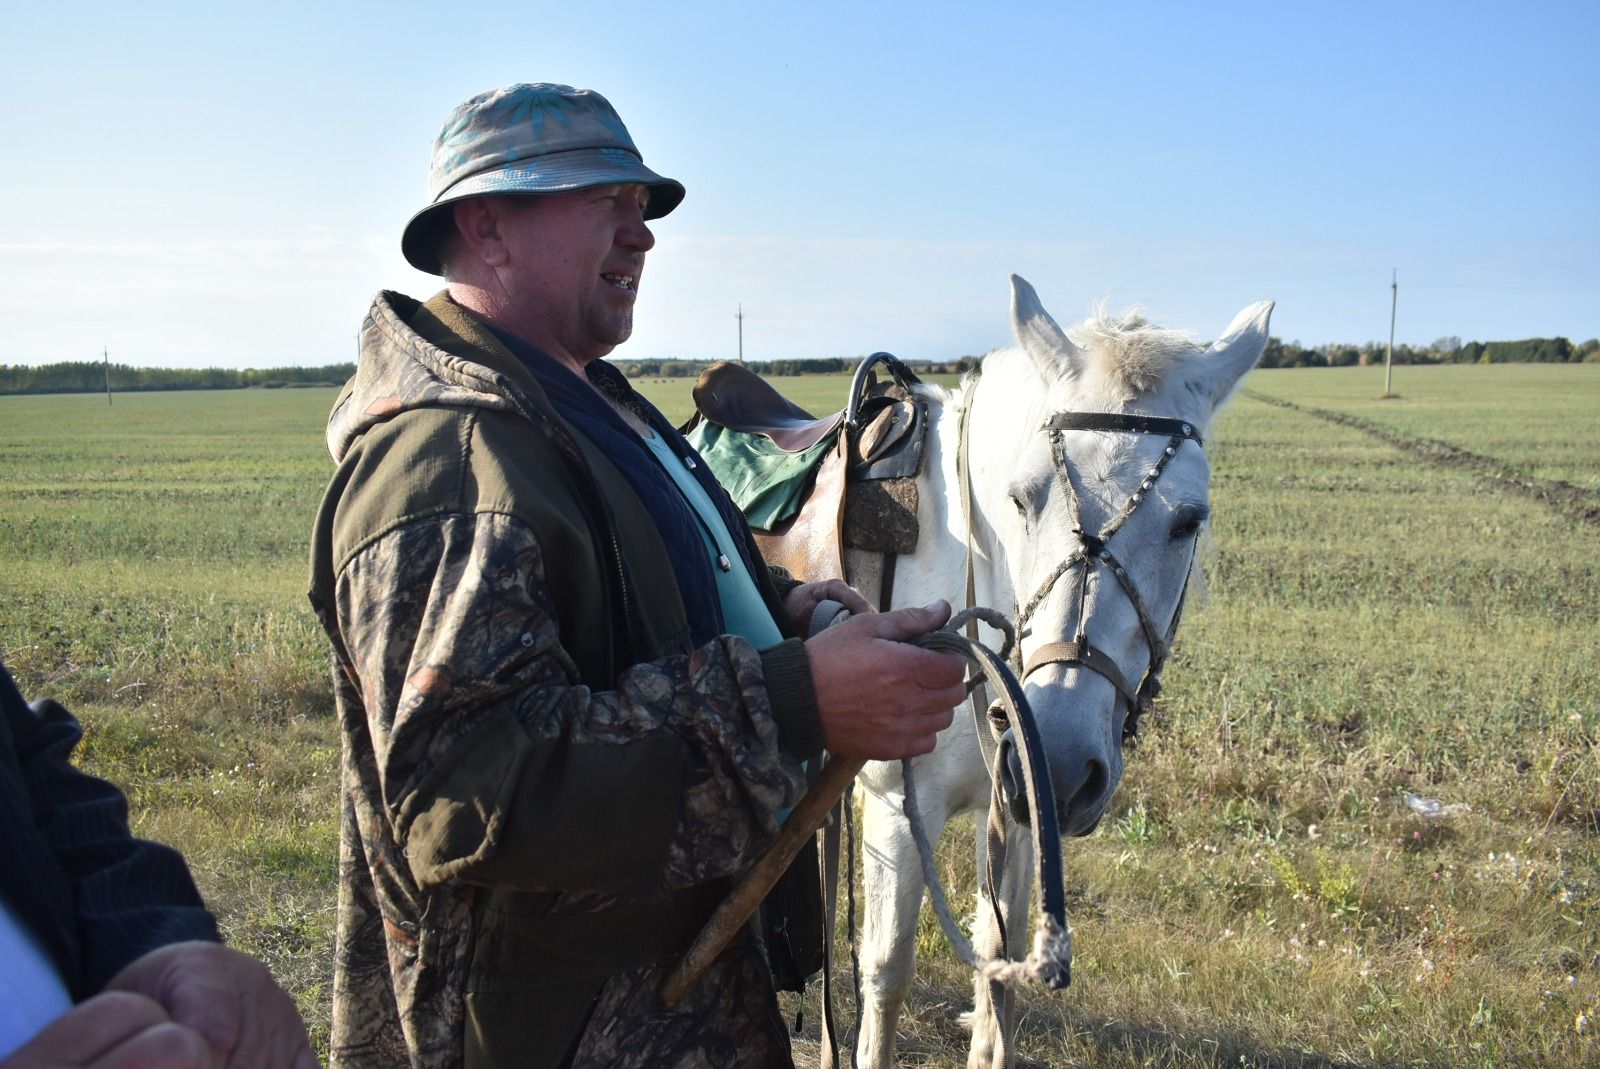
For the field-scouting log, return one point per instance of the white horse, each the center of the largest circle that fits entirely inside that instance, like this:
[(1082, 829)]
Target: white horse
[(1086, 526)]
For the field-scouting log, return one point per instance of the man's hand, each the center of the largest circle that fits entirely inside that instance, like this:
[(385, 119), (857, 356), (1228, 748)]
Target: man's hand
[(878, 696), (114, 1030), (227, 997), (803, 600)]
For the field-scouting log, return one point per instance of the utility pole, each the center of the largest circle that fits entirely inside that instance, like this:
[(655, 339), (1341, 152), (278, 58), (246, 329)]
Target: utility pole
[(1388, 356), (740, 318), (105, 358)]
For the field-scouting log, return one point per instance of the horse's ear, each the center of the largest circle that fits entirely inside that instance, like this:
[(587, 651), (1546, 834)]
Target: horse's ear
[(1233, 354), (1040, 336)]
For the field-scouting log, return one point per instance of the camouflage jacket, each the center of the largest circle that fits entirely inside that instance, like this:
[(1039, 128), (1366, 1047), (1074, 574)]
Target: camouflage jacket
[(544, 787)]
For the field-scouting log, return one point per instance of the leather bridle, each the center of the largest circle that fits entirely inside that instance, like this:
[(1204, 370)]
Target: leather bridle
[(1094, 550)]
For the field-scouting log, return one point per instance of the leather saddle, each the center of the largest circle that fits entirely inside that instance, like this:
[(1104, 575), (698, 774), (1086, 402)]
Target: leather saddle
[(849, 478)]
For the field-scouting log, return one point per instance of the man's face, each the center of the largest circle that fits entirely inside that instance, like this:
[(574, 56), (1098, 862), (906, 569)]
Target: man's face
[(573, 268)]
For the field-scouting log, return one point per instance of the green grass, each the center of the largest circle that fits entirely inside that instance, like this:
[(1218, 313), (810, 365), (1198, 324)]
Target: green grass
[(1538, 419), (1375, 624)]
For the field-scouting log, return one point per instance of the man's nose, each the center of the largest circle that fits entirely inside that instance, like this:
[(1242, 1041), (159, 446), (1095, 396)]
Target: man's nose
[(636, 234)]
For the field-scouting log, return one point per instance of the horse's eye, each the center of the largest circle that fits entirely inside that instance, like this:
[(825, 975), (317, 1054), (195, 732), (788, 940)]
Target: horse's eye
[(1016, 499), (1187, 523)]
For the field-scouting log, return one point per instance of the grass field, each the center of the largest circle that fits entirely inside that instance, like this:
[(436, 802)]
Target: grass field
[(1381, 620)]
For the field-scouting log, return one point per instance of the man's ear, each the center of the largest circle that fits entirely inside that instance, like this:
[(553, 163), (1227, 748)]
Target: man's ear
[(477, 229)]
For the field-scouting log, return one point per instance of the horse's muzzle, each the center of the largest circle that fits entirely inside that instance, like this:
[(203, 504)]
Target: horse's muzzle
[(1081, 793)]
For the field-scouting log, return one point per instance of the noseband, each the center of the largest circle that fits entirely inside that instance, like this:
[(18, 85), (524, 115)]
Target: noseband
[(1094, 551)]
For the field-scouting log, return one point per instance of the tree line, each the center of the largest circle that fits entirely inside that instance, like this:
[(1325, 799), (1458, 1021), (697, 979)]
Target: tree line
[(89, 376), (1444, 351)]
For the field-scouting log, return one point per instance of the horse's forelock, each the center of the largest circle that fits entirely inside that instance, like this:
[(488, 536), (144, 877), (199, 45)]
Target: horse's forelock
[(1129, 351)]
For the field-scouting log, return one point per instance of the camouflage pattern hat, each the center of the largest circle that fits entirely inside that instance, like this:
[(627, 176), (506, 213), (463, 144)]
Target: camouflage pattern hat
[(539, 138)]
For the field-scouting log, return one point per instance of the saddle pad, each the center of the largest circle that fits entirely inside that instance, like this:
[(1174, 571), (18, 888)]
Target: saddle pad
[(767, 483)]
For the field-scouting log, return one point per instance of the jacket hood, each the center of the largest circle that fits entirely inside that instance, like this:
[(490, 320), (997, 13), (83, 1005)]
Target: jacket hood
[(403, 365)]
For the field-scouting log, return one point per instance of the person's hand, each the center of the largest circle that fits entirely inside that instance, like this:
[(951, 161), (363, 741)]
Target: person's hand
[(803, 600), (114, 1030), (878, 696), (229, 998)]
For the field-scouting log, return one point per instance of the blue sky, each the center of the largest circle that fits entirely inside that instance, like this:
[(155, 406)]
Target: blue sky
[(196, 184)]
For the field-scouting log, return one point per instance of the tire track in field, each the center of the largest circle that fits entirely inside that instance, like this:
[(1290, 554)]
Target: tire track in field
[(1574, 502)]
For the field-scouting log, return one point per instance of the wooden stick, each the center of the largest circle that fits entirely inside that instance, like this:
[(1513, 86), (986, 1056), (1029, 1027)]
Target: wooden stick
[(731, 915)]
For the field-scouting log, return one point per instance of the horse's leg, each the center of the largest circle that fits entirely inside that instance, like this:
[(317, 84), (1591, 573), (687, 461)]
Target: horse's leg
[(891, 877), (994, 1010)]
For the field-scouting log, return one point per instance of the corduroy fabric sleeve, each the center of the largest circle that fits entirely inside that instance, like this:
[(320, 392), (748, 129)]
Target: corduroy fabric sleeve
[(793, 698)]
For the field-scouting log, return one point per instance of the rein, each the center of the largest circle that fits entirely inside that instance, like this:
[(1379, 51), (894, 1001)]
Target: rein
[(1050, 962)]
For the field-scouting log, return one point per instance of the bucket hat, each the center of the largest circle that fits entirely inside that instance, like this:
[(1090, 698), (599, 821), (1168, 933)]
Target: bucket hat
[(528, 139)]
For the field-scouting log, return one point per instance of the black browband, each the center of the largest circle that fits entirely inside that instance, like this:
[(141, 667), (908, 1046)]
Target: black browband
[(1121, 421)]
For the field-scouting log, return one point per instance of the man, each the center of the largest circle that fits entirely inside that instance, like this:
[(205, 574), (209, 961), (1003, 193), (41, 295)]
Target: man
[(108, 958), (574, 703)]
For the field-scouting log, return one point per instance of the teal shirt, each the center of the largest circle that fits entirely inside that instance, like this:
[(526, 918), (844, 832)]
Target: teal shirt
[(743, 611)]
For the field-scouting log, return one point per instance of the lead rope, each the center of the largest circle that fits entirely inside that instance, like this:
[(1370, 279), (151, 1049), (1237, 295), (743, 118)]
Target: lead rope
[(1050, 962)]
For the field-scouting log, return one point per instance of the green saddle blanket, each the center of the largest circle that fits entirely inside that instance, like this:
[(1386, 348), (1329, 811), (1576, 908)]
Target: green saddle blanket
[(768, 484)]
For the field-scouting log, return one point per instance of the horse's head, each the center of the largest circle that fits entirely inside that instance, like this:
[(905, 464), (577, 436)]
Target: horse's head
[(1088, 469)]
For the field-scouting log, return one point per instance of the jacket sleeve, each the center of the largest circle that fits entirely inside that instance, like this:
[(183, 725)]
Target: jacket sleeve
[(129, 896), (499, 767)]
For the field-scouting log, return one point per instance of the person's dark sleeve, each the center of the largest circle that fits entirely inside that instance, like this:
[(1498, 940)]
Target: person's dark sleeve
[(130, 896), (782, 581)]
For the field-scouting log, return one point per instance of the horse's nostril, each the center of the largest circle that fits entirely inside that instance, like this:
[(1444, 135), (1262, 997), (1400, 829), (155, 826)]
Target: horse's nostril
[(1094, 784), (1078, 802), (1074, 812)]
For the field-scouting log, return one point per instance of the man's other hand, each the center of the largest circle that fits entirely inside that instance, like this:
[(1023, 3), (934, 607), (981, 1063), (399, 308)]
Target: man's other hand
[(880, 697), (115, 1030), (229, 998), (801, 602)]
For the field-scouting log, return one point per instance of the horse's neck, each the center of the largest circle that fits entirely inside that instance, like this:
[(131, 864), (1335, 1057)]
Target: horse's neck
[(937, 569)]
